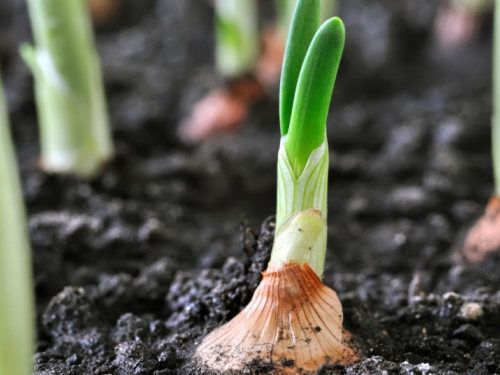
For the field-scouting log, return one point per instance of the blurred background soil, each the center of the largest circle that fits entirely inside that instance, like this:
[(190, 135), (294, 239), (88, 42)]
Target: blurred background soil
[(134, 268)]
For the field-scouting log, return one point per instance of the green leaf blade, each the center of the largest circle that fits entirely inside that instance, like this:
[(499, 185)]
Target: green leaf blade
[(306, 21), (314, 91)]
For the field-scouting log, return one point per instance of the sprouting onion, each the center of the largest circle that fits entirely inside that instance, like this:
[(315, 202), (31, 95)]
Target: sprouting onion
[(294, 322), (74, 126), (237, 38), (17, 317)]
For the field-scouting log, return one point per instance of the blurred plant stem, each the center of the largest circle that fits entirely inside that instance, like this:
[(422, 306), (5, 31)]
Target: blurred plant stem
[(237, 36), (17, 312), (72, 113)]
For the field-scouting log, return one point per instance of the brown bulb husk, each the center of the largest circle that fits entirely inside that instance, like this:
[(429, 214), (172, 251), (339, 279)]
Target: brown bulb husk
[(104, 11), (484, 236), (293, 323)]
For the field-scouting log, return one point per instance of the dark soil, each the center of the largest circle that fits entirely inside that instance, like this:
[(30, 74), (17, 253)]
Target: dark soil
[(134, 268)]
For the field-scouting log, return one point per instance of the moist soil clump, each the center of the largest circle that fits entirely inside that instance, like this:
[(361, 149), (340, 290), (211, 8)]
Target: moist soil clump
[(133, 269)]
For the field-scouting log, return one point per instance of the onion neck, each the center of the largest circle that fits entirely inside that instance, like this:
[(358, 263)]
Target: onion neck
[(301, 239)]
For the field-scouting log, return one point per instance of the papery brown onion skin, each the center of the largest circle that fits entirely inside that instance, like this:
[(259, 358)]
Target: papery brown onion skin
[(293, 324)]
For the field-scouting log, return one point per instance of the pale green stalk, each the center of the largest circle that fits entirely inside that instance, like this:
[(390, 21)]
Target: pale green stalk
[(496, 99), (302, 239), (17, 313), (72, 113), (237, 37), (308, 190)]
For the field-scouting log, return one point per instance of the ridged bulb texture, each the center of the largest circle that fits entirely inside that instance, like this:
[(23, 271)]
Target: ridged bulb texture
[(293, 323)]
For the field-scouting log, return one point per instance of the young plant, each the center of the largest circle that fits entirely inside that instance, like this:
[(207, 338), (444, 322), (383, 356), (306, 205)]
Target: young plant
[(17, 317), (236, 51), (484, 237), (74, 128), (294, 321), (237, 37)]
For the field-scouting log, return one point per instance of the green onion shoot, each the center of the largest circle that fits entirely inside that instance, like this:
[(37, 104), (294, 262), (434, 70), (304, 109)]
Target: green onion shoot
[(237, 37), (72, 114), (17, 312), (308, 77), (293, 318)]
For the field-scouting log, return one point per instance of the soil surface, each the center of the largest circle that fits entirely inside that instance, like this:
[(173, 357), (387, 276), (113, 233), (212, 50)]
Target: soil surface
[(133, 269)]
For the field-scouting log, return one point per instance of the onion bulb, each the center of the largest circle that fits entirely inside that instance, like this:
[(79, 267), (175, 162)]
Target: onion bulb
[(293, 324)]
